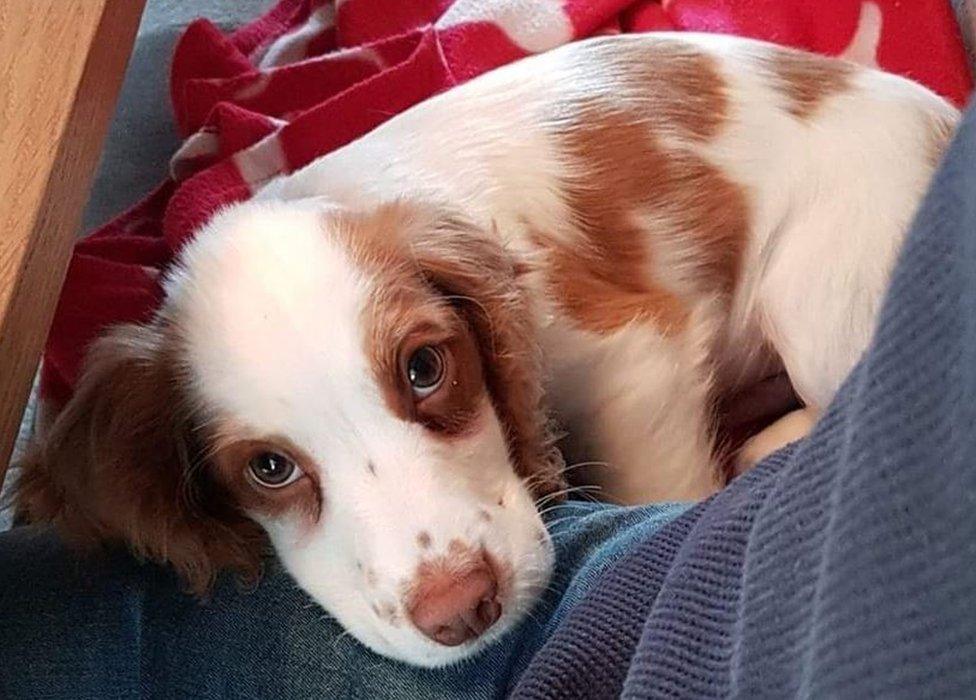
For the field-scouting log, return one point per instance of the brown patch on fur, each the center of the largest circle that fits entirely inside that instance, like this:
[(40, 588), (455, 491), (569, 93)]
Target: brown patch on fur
[(408, 315), (601, 272), (603, 295), (388, 613), (678, 86), (424, 540), (807, 80), (440, 280), (124, 462)]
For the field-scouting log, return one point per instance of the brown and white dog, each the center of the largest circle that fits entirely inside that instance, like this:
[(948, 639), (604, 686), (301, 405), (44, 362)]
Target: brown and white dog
[(358, 365)]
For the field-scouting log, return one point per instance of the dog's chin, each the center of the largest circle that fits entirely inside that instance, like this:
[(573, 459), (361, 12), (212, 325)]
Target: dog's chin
[(423, 653)]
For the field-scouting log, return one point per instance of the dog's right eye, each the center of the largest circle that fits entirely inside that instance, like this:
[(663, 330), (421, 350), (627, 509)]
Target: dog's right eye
[(273, 470)]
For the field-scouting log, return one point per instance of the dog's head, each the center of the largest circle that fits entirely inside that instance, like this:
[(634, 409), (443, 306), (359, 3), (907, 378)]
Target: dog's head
[(361, 389)]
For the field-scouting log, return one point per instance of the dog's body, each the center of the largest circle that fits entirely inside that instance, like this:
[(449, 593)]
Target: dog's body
[(637, 227), (689, 211)]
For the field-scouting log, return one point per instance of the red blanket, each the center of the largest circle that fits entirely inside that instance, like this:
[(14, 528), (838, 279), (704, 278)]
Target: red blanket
[(312, 75)]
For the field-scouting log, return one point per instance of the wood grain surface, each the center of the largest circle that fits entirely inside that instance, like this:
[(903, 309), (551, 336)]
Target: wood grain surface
[(61, 65)]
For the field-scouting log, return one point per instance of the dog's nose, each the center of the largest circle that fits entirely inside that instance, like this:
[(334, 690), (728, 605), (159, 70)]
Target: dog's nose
[(454, 608)]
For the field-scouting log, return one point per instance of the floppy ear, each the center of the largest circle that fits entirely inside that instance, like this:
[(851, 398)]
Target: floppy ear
[(473, 270), (122, 462)]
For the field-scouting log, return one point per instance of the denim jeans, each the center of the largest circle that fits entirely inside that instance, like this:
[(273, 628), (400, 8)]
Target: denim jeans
[(108, 626)]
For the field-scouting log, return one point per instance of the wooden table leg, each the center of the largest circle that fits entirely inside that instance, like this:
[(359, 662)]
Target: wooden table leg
[(61, 66)]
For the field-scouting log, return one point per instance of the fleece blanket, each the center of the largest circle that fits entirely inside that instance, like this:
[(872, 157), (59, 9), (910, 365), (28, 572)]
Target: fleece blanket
[(312, 75)]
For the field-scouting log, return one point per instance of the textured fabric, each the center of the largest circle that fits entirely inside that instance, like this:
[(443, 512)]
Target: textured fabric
[(312, 75), (142, 135), (109, 627), (843, 568)]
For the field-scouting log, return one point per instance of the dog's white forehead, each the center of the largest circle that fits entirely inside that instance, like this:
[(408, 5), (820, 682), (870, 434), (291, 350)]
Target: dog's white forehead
[(270, 306)]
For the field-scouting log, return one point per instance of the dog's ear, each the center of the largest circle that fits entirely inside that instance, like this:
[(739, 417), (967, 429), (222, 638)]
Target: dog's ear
[(122, 462), (471, 268)]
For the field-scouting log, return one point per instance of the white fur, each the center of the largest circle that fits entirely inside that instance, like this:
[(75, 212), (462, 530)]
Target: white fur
[(272, 309)]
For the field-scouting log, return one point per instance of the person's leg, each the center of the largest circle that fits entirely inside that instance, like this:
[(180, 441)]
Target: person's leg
[(108, 626), (843, 566)]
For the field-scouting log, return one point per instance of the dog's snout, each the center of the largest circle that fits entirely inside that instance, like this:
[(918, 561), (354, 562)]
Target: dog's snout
[(453, 608)]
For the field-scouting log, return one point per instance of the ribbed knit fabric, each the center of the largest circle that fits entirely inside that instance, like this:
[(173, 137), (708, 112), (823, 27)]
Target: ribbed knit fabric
[(843, 568)]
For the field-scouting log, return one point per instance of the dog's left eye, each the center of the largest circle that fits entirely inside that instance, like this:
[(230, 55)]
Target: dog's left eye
[(273, 470), (425, 371)]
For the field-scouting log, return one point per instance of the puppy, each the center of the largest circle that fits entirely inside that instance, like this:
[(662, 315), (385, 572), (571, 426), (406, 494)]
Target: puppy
[(358, 365)]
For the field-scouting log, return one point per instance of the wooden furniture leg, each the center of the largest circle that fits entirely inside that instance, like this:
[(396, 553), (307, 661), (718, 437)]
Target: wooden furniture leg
[(61, 66)]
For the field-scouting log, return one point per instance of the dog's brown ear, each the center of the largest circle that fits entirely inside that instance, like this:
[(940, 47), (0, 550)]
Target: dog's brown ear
[(471, 268), (122, 463)]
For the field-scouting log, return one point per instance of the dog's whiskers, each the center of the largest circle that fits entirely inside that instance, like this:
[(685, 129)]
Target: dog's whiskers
[(578, 465), (585, 489)]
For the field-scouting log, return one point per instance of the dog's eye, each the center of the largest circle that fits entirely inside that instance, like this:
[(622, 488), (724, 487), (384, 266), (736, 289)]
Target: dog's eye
[(425, 371), (273, 470)]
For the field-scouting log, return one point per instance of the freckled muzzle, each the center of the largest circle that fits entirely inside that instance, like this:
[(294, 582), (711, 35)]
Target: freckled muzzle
[(454, 598)]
